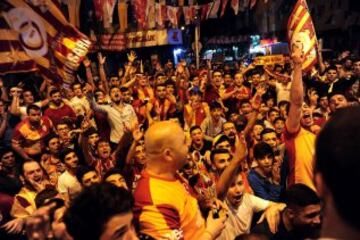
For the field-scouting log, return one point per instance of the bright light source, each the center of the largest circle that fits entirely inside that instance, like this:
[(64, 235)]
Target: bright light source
[(177, 51), (182, 28)]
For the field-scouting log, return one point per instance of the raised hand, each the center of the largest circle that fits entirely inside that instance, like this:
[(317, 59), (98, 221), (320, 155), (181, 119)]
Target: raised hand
[(137, 134), (101, 58), (297, 55), (131, 57)]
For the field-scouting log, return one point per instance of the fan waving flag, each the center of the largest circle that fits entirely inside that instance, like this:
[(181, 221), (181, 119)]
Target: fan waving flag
[(34, 35), (301, 34)]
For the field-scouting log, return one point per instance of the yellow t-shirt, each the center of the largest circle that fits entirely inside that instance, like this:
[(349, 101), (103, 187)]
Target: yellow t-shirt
[(300, 148), (166, 210)]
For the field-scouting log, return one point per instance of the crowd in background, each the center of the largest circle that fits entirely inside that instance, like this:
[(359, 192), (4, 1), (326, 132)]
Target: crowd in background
[(188, 153)]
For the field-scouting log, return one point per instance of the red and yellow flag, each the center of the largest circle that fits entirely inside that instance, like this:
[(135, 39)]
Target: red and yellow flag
[(301, 33), (35, 35)]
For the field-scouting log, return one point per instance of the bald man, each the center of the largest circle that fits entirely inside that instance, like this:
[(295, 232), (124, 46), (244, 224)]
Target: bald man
[(164, 209)]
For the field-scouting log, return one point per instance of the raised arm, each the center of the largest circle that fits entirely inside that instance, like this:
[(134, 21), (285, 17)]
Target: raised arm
[(296, 94), (3, 92), (229, 173), (89, 76), (102, 72)]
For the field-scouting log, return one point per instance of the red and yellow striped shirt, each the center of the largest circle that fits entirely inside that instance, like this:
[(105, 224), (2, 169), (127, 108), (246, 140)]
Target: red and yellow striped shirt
[(300, 148), (165, 209)]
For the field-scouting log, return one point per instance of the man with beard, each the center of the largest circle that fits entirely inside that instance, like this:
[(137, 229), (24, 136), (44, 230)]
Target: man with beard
[(68, 186), (120, 115), (50, 161), (58, 111), (300, 219), (163, 105), (29, 134), (229, 130)]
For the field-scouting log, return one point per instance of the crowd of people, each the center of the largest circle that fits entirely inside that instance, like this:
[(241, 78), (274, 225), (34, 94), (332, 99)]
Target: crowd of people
[(175, 152)]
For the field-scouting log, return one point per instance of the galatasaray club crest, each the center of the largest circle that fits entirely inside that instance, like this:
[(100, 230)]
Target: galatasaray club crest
[(32, 34)]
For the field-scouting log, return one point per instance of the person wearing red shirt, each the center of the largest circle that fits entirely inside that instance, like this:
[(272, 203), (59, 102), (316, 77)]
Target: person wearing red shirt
[(29, 134), (58, 111)]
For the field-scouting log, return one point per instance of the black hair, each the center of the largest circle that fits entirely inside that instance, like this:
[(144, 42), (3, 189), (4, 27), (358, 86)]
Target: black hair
[(21, 169), (279, 119), (333, 93), (90, 131), (217, 151), (337, 159), (266, 131), (65, 152), (300, 195), (283, 102), (195, 92), (82, 170), (52, 92), (331, 67), (76, 83), (93, 208), (193, 128), (244, 101), (5, 150), (44, 195), (272, 110), (48, 138), (221, 139), (124, 89), (262, 150), (215, 105), (112, 172), (112, 87), (100, 141), (32, 107)]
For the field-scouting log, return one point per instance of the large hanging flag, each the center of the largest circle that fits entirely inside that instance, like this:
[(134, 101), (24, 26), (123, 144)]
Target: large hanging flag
[(160, 13), (223, 7), (35, 35), (150, 14), (172, 15), (214, 8), (252, 4), (204, 10), (98, 9), (123, 15), (108, 12), (235, 6), (189, 14), (140, 12), (301, 34)]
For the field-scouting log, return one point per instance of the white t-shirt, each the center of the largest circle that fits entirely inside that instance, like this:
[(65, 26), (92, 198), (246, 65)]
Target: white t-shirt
[(239, 220), (283, 91), (68, 184), (80, 105)]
